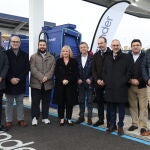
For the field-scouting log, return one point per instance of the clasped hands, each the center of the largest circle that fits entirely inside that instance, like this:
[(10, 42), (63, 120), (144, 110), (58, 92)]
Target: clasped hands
[(65, 82), (44, 79), (100, 82)]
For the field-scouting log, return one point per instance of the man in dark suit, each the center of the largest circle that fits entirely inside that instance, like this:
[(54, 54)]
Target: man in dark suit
[(97, 68), (85, 84), (3, 71), (16, 81), (116, 75)]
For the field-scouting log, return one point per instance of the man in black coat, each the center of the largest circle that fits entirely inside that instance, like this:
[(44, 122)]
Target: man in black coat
[(116, 75), (3, 71), (85, 83), (138, 92), (97, 67), (16, 81)]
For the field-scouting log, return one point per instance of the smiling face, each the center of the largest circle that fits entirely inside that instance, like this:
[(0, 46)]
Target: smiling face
[(15, 42), (42, 46), (84, 48), (65, 53), (115, 45), (136, 47)]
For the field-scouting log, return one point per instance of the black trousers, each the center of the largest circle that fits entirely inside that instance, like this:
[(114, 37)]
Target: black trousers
[(65, 105), (1, 96), (100, 103), (113, 114), (61, 111), (38, 95)]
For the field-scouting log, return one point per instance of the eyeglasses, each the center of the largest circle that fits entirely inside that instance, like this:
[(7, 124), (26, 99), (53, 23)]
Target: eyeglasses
[(15, 41)]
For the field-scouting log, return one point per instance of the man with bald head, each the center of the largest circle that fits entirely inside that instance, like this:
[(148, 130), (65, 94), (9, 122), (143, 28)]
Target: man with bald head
[(116, 74), (16, 81)]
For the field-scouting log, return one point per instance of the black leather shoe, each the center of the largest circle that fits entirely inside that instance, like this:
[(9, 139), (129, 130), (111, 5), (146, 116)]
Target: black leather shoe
[(98, 123), (132, 128), (2, 128), (80, 120)]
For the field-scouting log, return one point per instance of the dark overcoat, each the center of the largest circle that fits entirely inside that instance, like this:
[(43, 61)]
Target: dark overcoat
[(18, 68), (97, 65), (3, 67), (116, 74), (66, 93)]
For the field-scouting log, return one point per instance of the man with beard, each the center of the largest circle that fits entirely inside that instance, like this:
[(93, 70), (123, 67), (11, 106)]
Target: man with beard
[(42, 65)]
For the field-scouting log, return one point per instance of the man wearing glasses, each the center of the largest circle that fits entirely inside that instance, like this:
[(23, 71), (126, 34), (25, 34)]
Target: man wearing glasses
[(16, 81)]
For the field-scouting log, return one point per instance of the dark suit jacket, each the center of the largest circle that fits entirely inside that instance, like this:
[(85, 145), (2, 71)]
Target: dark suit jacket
[(86, 72), (136, 72), (3, 67)]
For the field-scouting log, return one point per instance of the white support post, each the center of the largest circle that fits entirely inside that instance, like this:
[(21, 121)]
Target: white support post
[(36, 22)]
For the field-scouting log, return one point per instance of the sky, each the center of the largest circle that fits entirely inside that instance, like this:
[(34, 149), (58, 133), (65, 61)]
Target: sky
[(85, 16)]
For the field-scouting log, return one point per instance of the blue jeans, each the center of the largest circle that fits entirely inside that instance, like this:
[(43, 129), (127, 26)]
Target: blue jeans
[(113, 114), (9, 107), (85, 97)]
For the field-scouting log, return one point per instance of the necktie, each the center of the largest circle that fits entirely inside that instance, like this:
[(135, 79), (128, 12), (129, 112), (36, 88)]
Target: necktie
[(102, 53), (115, 56)]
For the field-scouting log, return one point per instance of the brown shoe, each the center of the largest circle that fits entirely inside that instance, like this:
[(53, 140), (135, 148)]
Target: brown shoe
[(89, 122), (110, 129), (22, 123), (146, 133), (8, 125)]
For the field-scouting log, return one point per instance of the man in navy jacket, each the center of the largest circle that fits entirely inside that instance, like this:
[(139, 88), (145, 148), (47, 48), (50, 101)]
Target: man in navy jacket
[(85, 84)]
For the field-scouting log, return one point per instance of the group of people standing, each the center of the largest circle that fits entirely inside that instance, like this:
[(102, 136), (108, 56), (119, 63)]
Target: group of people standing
[(109, 76), (117, 78)]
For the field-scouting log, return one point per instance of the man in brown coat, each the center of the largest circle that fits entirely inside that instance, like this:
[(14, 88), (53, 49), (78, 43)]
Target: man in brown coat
[(42, 66)]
